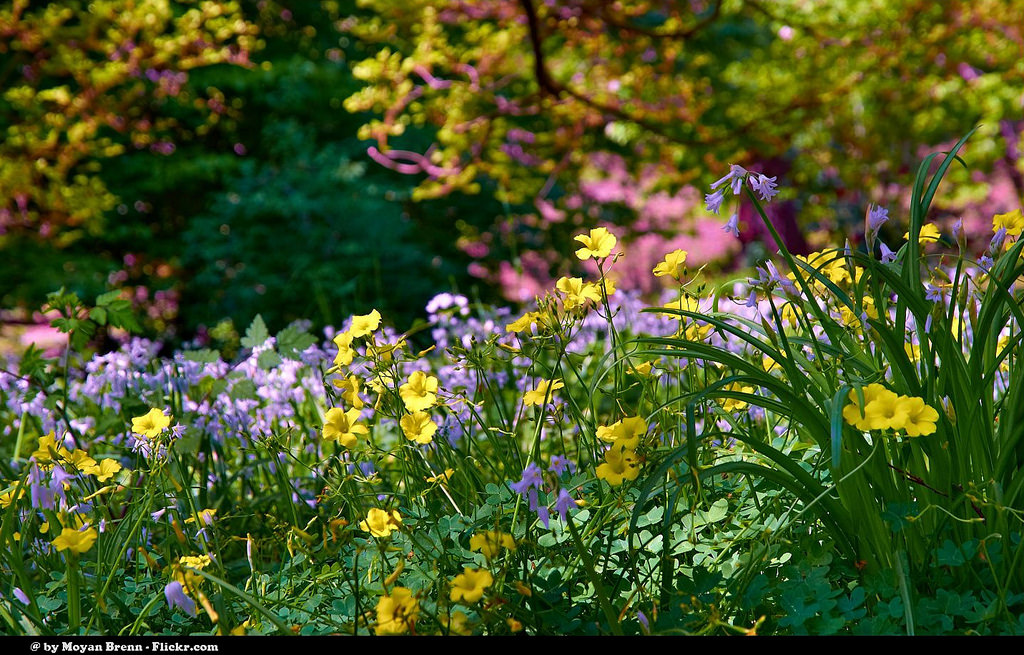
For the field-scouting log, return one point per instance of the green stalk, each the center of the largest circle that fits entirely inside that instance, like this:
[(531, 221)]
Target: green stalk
[(588, 564), (74, 594)]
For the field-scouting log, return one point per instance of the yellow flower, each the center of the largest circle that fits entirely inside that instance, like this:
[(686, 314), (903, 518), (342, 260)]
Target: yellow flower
[(384, 352), (731, 404), (78, 460), (684, 303), (626, 432), (151, 424), (420, 392), (524, 322), (545, 389), (929, 234), (382, 381), (205, 517), (674, 265), (343, 340), (469, 585), (577, 293), (644, 369), (459, 624), (867, 307), (695, 332), (47, 448), (491, 542), (350, 391), (365, 324), (396, 613), (620, 464), (76, 541), (921, 417), (606, 287), (442, 478), (419, 427), (380, 523), (341, 426), (852, 412), (1012, 221), (598, 244), (104, 470), (7, 497), (190, 580), (887, 412)]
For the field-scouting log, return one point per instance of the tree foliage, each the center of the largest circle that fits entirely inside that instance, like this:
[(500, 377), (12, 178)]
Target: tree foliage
[(840, 95), (85, 82)]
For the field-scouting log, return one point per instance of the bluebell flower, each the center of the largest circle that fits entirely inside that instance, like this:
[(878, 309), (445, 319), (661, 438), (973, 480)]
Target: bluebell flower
[(764, 186), (544, 514), (997, 241), (734, 178), (876, 217), (560, 465), (563, 503), (176, 597), (713, 201), (644, 623), (531, 478), (733, 226), (888, 256)]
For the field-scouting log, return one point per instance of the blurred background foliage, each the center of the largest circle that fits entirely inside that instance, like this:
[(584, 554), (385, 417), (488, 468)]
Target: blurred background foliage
[(215, 160)]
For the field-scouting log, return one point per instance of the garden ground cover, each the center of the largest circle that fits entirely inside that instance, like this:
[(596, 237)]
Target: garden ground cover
[(830, 445)]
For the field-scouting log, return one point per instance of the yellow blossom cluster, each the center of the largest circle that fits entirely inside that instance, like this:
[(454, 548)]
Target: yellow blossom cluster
[(885, 410), (621, 462), (77, 461)]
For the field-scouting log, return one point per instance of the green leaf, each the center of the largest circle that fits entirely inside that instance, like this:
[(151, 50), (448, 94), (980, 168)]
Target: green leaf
[(719, 510), (256, 334), (268, 360), (291, 341), (204, 356), (243, 389)]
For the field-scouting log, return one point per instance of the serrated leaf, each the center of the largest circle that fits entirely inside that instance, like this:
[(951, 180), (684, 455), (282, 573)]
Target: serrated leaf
[(204, 356), (291, 341), (107, 298), (99, 315), (256, 334), (268, 360), (243, 390)]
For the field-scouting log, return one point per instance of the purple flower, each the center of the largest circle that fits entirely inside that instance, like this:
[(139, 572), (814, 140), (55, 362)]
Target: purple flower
[(22, 596), (876, 217), (560, 465), (934, 294), (544, 514), (958, 233), (563, 503), (764, 186), (997, 241), (531, 478), (734, 178), (713, 201), (644, 623), (888, 256), (985, 263), (733, 226), (176, 597)]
